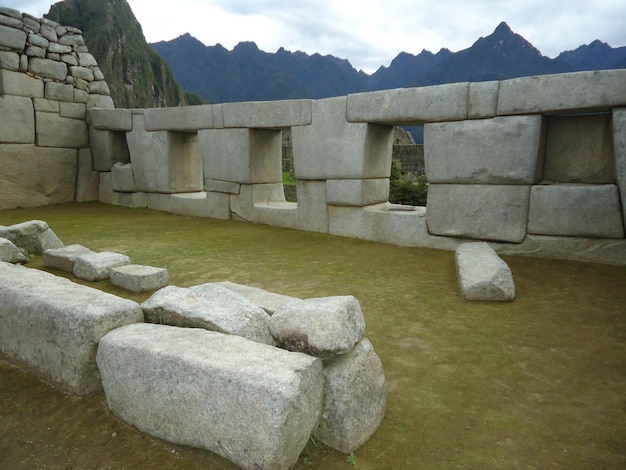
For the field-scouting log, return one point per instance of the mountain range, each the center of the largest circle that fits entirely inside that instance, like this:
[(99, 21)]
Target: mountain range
[(247, 73), (152, 75)]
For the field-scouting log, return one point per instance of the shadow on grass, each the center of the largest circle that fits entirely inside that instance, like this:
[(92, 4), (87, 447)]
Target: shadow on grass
[(536, 383)]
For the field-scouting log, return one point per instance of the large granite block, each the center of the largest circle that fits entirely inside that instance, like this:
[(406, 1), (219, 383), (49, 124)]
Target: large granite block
[(333, 148), (566, 92), (56, 131), (123, 178), (33, 176), (12, 38), (401, 106), (53, 325), (268, 114), (254, 404), (86, 178), (20, 84), (484, 212), (181, 118), (196, 204), (501, 150), (576, 210), (111, 119), (482, 274), (18, 120)]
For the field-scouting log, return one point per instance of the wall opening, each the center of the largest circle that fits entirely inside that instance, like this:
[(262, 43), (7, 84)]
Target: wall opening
[(288, 172), (407, 181)]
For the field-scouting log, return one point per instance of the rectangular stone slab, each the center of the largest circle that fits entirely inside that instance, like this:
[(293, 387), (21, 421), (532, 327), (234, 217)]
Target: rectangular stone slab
[(483, 212), (53, 325), (254, 404)]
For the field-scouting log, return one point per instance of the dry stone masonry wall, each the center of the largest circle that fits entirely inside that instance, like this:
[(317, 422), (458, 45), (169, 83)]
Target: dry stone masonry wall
[(48, 79), (533, 165)]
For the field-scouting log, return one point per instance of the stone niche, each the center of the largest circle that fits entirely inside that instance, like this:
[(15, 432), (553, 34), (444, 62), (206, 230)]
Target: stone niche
[(579, 149)]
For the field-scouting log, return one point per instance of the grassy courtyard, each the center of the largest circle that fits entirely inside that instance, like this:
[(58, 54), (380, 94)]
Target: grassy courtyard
[(539, 383)]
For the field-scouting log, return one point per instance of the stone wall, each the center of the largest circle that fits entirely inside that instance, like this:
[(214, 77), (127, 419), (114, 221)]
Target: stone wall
[(47, 81), (534, 165)]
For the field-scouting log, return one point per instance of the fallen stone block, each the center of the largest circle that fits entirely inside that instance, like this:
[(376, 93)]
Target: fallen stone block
[(63, 258), (322, 327), (97, 266), (211, 307), (355, 398), (52, 325), (251, 403), (11, 253), (35, 236), (482, 274), (268, 301), (138, 278)]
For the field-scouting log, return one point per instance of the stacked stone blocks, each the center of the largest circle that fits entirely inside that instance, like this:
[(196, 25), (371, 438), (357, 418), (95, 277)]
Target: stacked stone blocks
[(47, 81)]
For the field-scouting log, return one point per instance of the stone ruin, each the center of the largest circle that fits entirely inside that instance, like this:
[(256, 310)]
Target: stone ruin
[(531, 165), (242, 372)]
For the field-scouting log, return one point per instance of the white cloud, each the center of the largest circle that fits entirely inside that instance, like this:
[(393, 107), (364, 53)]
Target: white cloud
[(372, 32)]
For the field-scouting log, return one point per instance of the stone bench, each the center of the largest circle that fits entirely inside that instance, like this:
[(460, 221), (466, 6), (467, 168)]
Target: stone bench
[(52, 325), (251, 403)]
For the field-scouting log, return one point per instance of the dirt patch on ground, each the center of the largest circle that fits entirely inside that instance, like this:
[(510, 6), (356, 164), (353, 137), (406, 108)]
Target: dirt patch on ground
[(536, 383)]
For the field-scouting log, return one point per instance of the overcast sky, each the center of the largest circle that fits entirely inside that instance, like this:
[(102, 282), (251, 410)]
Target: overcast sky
[(370, 33)]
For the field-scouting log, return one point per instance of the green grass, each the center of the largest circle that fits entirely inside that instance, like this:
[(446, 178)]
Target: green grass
[(533, 384), (288, 180)]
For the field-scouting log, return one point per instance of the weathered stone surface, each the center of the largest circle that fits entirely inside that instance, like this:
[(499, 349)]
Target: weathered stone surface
[(36, 176), (183, 118), (35, 236), (56, 48), (164, 162), (72, 110), (34, 51), (355, 398), (9, 60), (31, 23), (365, 149), (576, 210), (122, 178), (48, 68), (254, 404), (53, 325), (268, 114), (580, 91), (241, 156), (268, 301), (11, 12), (85, 59), (357, 192), (211, 307), (86, 178), (501, 150), (59, 92), (49, 32), (20, 84), (56, 131), (100, 101), (108, 148), (18, 120), (12, 38), (82, 72), (482, 274), (312, 207), (10, 253), (97, 266), (10, 21), (483, 99), (63, 258), (138, 278), (484, 212), (579, 150), (111, 119), (99, 87), (322, 327), (619, 146), (410, 105)]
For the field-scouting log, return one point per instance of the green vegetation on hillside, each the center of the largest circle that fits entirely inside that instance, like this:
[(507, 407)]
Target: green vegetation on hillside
[(137, 75)]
